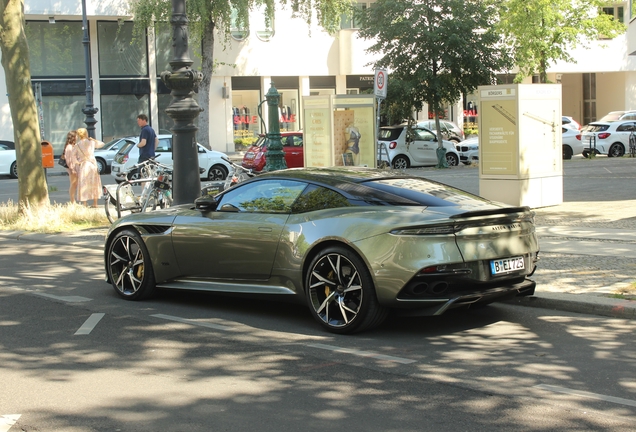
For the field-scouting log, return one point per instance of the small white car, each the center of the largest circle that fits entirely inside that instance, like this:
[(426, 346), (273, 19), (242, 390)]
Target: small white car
[(468, 150), (105, 155), (607, 138), (212, 166), (419, 150), (8, 164), (571, 142)]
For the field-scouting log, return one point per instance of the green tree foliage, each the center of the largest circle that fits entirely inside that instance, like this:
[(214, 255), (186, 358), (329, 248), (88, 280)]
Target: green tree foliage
[(32, 190), (541, 32), (435, 51), (207, 17)]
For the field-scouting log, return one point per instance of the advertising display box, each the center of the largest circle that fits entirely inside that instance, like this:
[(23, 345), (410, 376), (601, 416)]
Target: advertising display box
[(520, 150), (339, 130)]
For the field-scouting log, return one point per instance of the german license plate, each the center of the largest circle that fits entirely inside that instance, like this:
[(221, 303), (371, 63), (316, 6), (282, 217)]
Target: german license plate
[(506, 265)]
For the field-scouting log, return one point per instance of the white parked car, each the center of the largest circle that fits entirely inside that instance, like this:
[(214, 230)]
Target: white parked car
[(8, 164), (468, 150), (607, 138), (571, 142), (212, 166), (420, 150), (105, 155), (569, 122)]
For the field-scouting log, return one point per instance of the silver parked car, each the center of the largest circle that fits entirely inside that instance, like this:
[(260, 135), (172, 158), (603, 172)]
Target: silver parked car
[(450, 131), (105, 155)]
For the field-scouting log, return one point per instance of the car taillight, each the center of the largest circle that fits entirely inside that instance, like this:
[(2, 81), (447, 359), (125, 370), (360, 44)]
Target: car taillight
[(392, 145), (124, 159), (603, 135), (578, 137)]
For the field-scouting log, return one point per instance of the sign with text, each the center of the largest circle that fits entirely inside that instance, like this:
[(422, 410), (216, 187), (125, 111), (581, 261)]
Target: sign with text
[(380, 83)]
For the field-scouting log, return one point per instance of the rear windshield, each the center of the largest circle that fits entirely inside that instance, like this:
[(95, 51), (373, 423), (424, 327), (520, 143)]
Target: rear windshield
[(390, 134), (613, 116), (595, 128)]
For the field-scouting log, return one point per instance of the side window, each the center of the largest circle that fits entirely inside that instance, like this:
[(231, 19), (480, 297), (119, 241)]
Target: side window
[(298, 141), (319, 198), (423, 135), (165, 145), (266, 196)]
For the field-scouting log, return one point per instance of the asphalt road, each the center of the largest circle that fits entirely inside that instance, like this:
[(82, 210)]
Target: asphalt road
[(75, 357)]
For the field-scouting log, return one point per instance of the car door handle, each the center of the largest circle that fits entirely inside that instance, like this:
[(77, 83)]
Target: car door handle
[(264, 229)]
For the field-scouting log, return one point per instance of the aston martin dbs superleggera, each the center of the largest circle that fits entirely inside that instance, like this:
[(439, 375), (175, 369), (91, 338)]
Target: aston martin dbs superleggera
[(351, 243)]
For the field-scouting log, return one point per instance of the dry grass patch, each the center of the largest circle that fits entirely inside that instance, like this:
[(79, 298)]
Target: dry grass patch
[(51, 219), (626, 293)]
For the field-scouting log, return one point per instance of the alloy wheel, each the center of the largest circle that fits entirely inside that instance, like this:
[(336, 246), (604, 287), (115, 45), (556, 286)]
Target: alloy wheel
[(129, 267)]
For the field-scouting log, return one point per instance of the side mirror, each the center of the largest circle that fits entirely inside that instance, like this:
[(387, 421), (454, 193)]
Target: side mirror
[(206, 203)]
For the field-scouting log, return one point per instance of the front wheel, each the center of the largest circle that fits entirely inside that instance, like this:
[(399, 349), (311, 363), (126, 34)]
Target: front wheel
[(616, 150), (217, 172), (13, 171), (101, 165), (341, 293), (400, 162), (129, 267), (452, 159)]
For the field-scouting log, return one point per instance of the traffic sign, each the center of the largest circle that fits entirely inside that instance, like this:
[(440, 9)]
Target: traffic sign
[(380, 83)]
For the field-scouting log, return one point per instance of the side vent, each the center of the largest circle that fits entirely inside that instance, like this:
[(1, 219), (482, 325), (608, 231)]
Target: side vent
[(154, 229)]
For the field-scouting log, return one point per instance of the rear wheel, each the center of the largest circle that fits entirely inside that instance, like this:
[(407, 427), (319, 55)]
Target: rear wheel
[(567, 152), (129, 267), (616, 150), (400, 162), (452, 159), (341, 293), (13, 171)]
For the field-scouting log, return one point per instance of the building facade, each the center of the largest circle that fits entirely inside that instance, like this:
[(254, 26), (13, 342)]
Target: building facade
[(300, 60)]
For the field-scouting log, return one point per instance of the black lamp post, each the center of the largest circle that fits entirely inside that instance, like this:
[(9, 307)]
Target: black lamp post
[(89, 110), (183, 109)]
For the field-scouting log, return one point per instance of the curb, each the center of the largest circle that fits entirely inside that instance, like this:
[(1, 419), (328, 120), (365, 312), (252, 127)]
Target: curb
[(595, 305)]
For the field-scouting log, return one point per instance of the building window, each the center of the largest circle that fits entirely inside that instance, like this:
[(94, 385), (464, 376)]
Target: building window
[(618, 12), (55, 50), (589, 98), (238, 29), (349, 21), (121, 54), (119, 114), (61, 114), (265, 28)]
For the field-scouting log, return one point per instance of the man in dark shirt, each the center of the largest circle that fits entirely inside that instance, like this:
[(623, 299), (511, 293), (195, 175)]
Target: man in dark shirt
[(148, 140)]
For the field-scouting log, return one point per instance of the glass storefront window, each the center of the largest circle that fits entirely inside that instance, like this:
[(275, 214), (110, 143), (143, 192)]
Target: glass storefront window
[(165, 52), (165, 122), (61, 115), (288, 108), (119, 53), (119, 115), (55, 49), (245, 113)]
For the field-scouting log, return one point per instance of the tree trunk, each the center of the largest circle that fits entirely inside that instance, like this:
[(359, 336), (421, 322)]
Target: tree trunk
[(32, 187), (207, 68)]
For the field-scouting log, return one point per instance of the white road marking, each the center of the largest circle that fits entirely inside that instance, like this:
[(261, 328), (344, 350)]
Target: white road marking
[(193, 322), (362, 353), (8, 420), (607, 170), (588, 395), (89, 324), (68, 299)]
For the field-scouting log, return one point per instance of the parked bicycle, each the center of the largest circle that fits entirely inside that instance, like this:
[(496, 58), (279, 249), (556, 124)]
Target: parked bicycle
[(238, 175), (632, 144), (154, 179)]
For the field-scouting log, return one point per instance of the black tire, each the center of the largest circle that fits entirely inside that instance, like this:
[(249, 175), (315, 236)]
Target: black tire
[(616, 150), (13, 171), (129, 267), (217, 172), (585, 154), (400, 162), (340, 292), (567, 152), (101, 165), (133, 175), (452, 159)]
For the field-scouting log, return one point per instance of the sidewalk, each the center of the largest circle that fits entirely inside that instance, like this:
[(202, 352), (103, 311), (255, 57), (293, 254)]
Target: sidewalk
[(588, 255)]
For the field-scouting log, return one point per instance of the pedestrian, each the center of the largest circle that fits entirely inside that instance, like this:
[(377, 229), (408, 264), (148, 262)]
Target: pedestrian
[(67, 155), (148, 140), (89, 184)]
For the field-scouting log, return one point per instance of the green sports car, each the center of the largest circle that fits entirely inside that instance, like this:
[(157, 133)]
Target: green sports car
[(351, 243)]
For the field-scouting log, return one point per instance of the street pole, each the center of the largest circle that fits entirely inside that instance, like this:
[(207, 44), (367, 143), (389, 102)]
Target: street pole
[(274, 155), (89, 110), (183, 109)]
